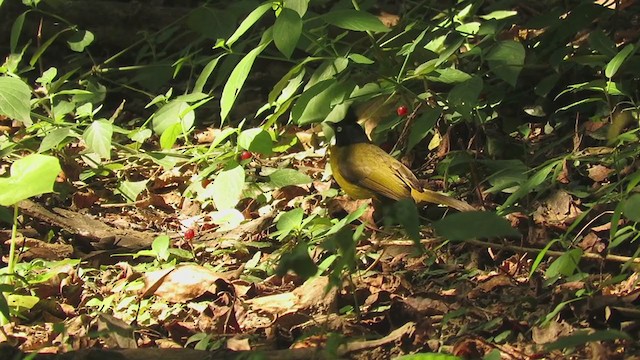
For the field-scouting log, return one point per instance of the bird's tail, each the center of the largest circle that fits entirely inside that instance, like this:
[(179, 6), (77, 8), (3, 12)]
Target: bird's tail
[(436, 198)]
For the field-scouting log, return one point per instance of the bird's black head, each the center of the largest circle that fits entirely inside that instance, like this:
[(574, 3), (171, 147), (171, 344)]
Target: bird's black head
[(348, 131)]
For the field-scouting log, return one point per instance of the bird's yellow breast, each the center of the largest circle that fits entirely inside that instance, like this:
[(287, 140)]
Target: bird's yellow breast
[(353, 190)]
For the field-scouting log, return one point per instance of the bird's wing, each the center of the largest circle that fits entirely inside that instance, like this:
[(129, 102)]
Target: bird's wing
[(377, 171)]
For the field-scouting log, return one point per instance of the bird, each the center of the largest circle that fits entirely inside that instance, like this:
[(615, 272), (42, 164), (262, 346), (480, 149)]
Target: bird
[(363, 170)]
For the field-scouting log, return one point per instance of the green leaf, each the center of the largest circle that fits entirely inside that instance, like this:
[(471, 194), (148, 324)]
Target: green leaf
[(131, 189), (236, 81), (299, 261), (300, 6), (618, 60), (531, 184), (599, 41), (54, 138), (22, 302), (286, 177), (14, 100), (360, 59), (227, 187), (16, 29), (286, 31), (506, 60), (464, 96), (289, 221), (405, 213), (631, 208), (205, 73), (160, 247), (315, 104), (170, 136), (582, 337), (80, 40), (499, 14), (355, 20), (256, 140), (477, 224), (173, 112), (32, 175), (564, 265), (422, 126), (98, 138), (47, 77), (248, 22)]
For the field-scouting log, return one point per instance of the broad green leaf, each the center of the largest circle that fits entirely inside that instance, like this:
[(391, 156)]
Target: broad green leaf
[(248, 22), (47, 77), (32, 175), (227, 219), (256, 140), (314, 105), (477, 224), (405, 213), (327, 71), (631, 208), (173, 112), (300, 6), (14, 100), (422, 126), (286, 31), (286, 177), (227, 187), (140, 135), (464, 96), (506, 60), (564, 265), (545, 85), (299, 261), (355, 20), (80, 40), (160, 247), (602, 43), (448, 76), (618, 60), (236, 81), (582, 337), (289, 221), (131, 189), (98, 138), (54, 138), (22, 302), (170, 135)]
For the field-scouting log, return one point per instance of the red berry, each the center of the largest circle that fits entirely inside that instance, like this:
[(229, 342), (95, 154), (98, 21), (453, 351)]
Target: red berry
[(246, 155), (402, 110), (189, 234)]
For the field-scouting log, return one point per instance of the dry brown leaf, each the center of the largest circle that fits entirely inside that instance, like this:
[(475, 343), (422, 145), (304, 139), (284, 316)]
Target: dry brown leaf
[(182, 283), (599, 173), (237, 343), (551, 332), (311, 295), (490, 285)]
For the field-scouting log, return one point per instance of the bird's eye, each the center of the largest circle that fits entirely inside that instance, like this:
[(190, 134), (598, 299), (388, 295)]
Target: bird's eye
[(339, 129)]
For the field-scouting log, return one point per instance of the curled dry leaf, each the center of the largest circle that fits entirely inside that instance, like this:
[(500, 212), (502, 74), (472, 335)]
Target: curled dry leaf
[(182, 283)]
